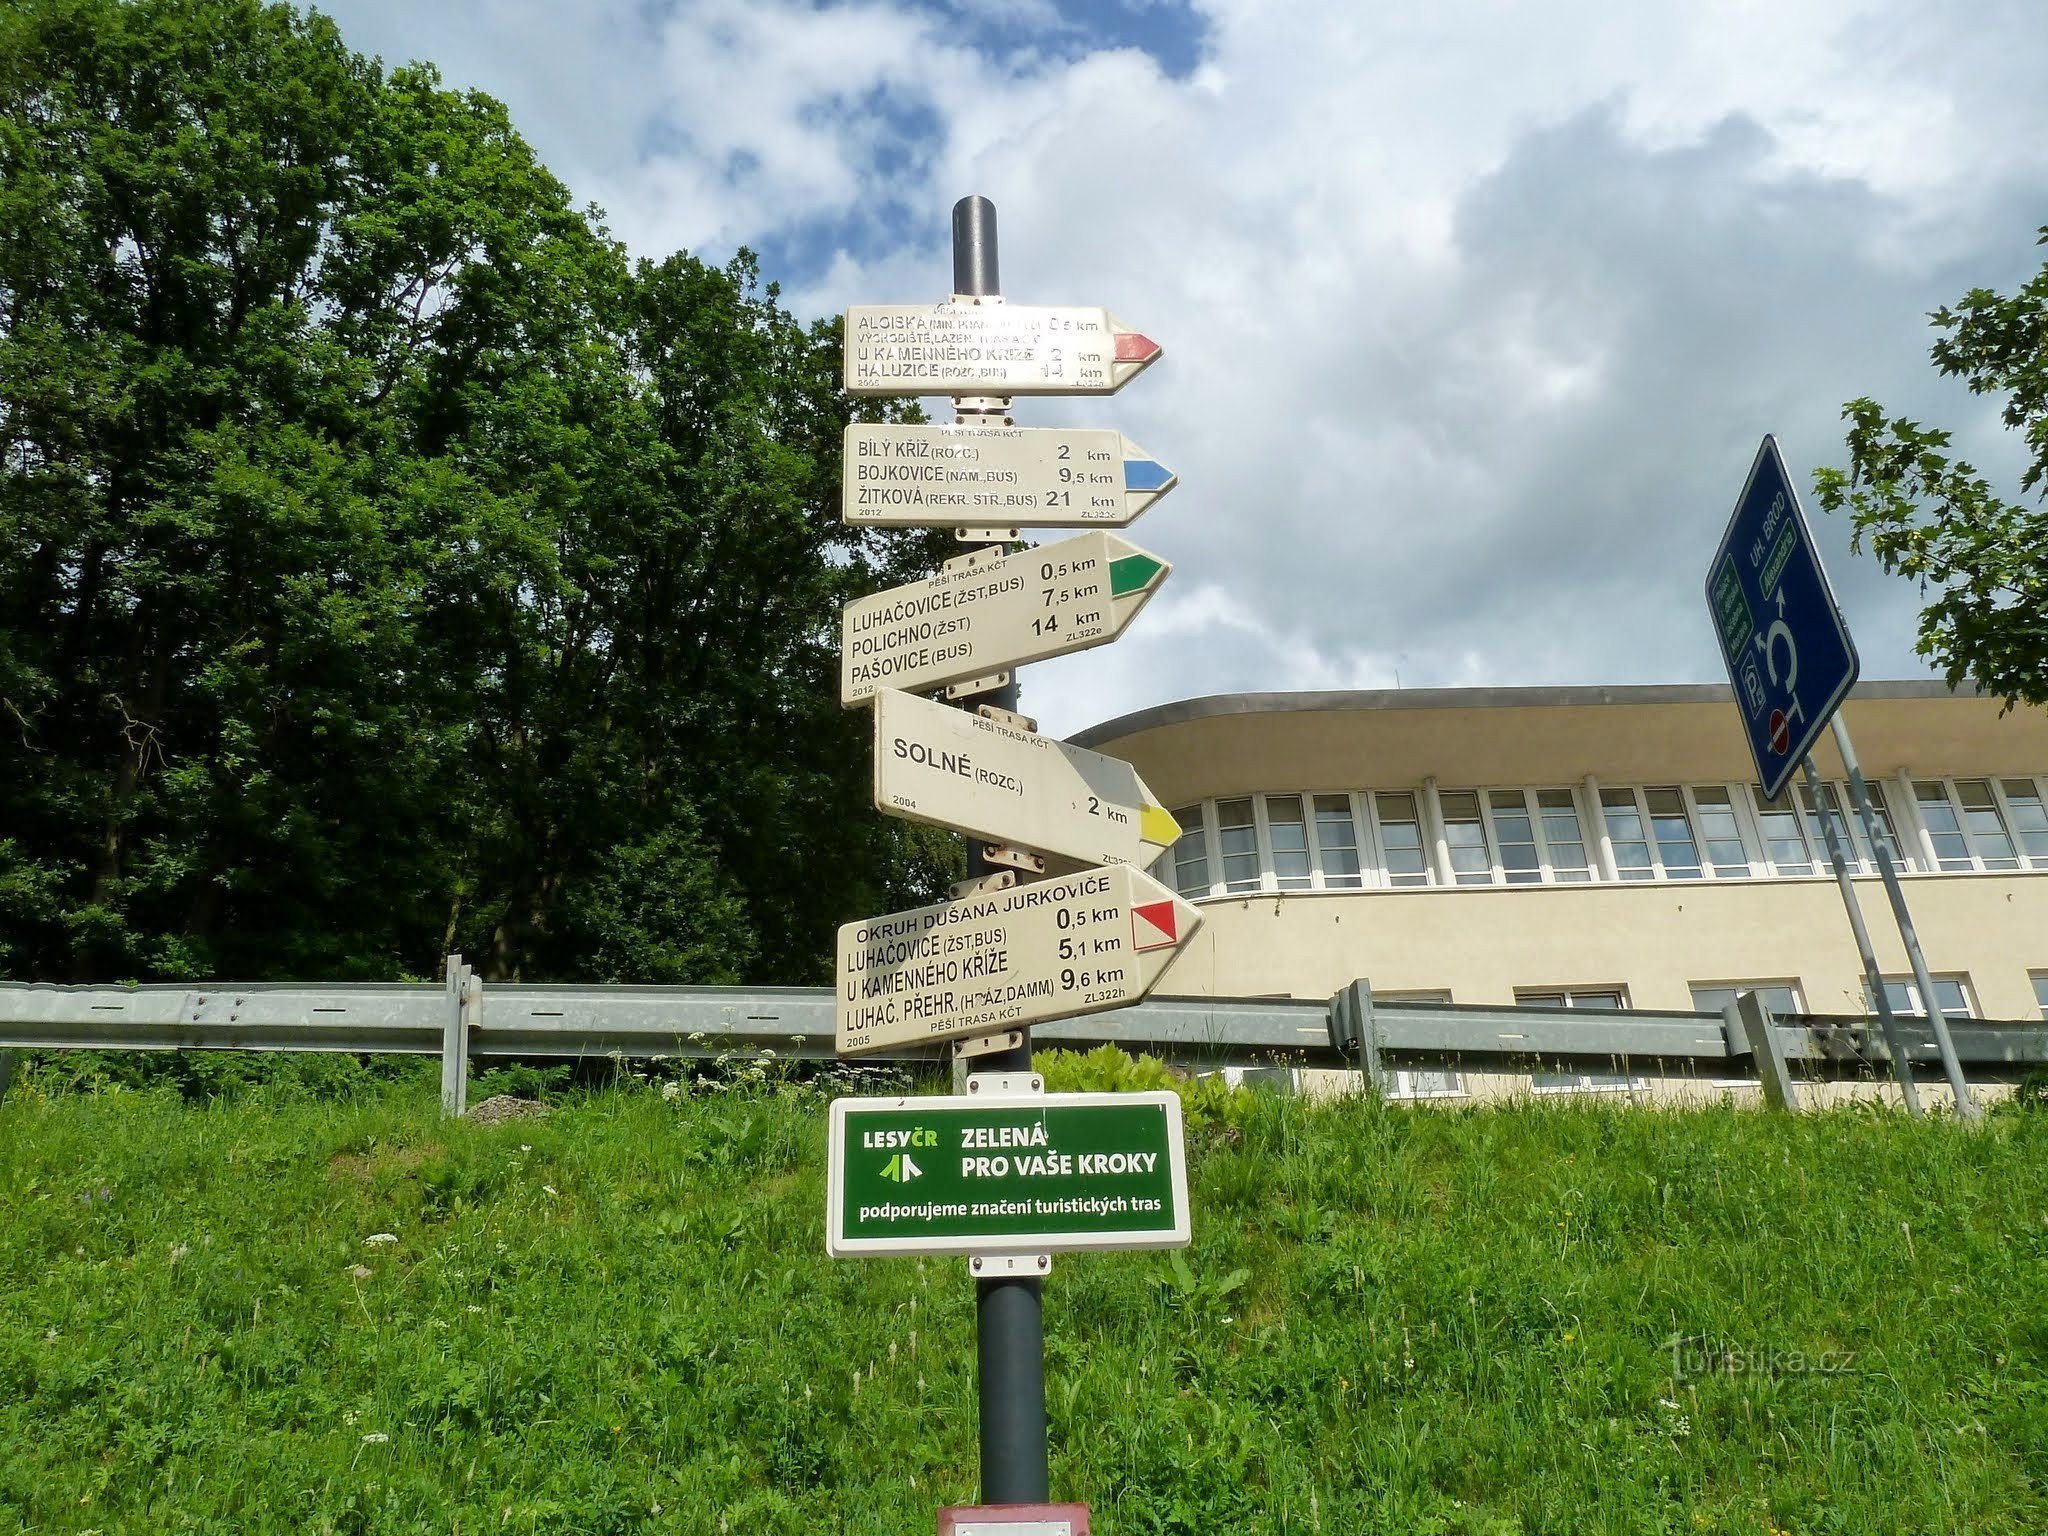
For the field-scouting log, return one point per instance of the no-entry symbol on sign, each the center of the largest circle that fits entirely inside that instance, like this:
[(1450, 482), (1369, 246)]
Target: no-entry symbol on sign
[(1781, 732)]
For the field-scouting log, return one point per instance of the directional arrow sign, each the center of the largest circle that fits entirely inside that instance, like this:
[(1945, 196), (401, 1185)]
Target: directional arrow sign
[(1004, 785), (990, 349), (1052, 1172), (984, 615), (1054, 950), (900, 476)]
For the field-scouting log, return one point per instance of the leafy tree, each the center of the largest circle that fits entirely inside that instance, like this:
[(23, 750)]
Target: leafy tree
[(1932, 517), (385, 564)]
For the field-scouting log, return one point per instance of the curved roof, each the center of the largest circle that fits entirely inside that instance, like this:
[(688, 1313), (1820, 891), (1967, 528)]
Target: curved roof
[(1213, 705)]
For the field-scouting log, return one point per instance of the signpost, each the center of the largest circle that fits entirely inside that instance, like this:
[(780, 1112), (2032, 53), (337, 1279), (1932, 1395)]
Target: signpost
[(971, 476), (1010, 786), (1791, 663), (969, 348), (987, 613), (980, 969), (1050, 1173), (1005, 959)]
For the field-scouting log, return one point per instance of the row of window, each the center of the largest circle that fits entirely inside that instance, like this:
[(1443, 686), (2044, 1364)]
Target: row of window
[(1781, 997), (1349, 840)]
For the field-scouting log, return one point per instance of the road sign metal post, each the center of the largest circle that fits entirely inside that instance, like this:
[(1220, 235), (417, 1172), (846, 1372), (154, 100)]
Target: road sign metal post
[(1894, 1039), (1009, 1309), (1952, 1068)]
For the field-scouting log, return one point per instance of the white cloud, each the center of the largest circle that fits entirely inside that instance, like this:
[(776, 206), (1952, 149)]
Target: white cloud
[(1474, 311)]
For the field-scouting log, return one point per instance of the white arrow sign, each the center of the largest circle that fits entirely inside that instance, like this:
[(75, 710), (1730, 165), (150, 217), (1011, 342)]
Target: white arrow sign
[(995, 782), (903, 476), (990, 349), (984, 614), (1080, 944)]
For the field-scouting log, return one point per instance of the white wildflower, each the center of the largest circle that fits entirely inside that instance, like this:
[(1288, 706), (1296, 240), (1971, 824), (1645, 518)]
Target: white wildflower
[(361, 1272), (377, 1238), (375, 1437), (552, 1190), (179, 1250), (671, 1090)]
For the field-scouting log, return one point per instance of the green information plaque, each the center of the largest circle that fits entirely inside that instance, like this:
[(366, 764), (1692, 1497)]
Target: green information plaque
[(1048, 1173)]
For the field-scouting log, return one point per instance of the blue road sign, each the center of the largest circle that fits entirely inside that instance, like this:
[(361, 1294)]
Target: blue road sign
[(1789, 654)]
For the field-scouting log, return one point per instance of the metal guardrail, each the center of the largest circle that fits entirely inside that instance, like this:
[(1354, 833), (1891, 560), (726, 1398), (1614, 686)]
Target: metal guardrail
[(460, 1019)]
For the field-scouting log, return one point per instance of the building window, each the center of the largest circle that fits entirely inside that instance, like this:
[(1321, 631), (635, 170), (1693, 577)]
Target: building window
[(1188, 858), (1601, 999), (1659, 831), (1988, 824), (1237, 839), (1938, 816), (1564, 840), (1401, 839), (1337, 842), (1852, 852), (1625, 832), (1676, 850), (1465, 834), (1287, 831), (1779, 823), (1781, 997), (1721, 831), (2041, 991), (1421, 1082), (2029, 818), (1903, 993), (1514, 834)]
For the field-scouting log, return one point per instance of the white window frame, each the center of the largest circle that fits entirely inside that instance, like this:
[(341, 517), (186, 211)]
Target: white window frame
[(1361, 840), (1746, 831), (1423, 834), (1491, 850), (2040, 981), (1914, 1010), (1996, 781), (1546, 870), (1536, 997)]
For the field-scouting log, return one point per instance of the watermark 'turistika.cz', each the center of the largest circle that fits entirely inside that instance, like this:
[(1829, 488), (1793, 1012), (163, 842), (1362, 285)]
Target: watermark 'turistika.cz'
[(1704, 1354)]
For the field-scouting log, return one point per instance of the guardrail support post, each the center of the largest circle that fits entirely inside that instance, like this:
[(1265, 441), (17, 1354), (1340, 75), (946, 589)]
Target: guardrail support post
[(1353, 1034), (1749, 1019), (6, 1072), (455, 1038)]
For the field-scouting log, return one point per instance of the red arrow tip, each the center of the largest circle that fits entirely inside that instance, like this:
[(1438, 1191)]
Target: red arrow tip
[(1131, 347)]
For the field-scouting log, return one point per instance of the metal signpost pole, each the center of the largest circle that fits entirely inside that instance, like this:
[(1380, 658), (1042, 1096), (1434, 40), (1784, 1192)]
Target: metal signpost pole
[(1009, 1310), (1902, 1061), (1966, 1107)]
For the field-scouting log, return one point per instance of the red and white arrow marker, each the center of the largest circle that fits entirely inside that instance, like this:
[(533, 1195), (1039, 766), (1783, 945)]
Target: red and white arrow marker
[(964, 348)]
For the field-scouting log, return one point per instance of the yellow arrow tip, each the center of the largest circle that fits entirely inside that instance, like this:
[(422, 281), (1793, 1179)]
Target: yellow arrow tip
[(1156, 825)]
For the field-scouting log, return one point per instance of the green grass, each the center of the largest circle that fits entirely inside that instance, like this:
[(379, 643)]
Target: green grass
[(621, 1319)]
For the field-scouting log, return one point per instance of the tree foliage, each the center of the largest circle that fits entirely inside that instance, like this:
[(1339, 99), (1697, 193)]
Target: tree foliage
[(386, 564), (1934, 518)]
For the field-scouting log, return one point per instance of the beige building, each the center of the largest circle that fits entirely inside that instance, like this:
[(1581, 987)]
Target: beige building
[(1592, 847)]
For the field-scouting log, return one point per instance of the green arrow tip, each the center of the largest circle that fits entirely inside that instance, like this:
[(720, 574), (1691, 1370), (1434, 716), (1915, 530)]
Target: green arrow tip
[(1133, 573)]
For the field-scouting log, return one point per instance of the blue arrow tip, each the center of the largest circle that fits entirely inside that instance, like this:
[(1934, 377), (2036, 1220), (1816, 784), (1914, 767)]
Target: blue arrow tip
[(1145, 475)]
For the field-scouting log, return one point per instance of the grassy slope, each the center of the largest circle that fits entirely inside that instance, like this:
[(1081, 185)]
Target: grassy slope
[(1445, 1322)]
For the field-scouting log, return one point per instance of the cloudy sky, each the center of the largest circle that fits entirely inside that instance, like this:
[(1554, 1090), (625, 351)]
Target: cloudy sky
[(1474, 310)]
